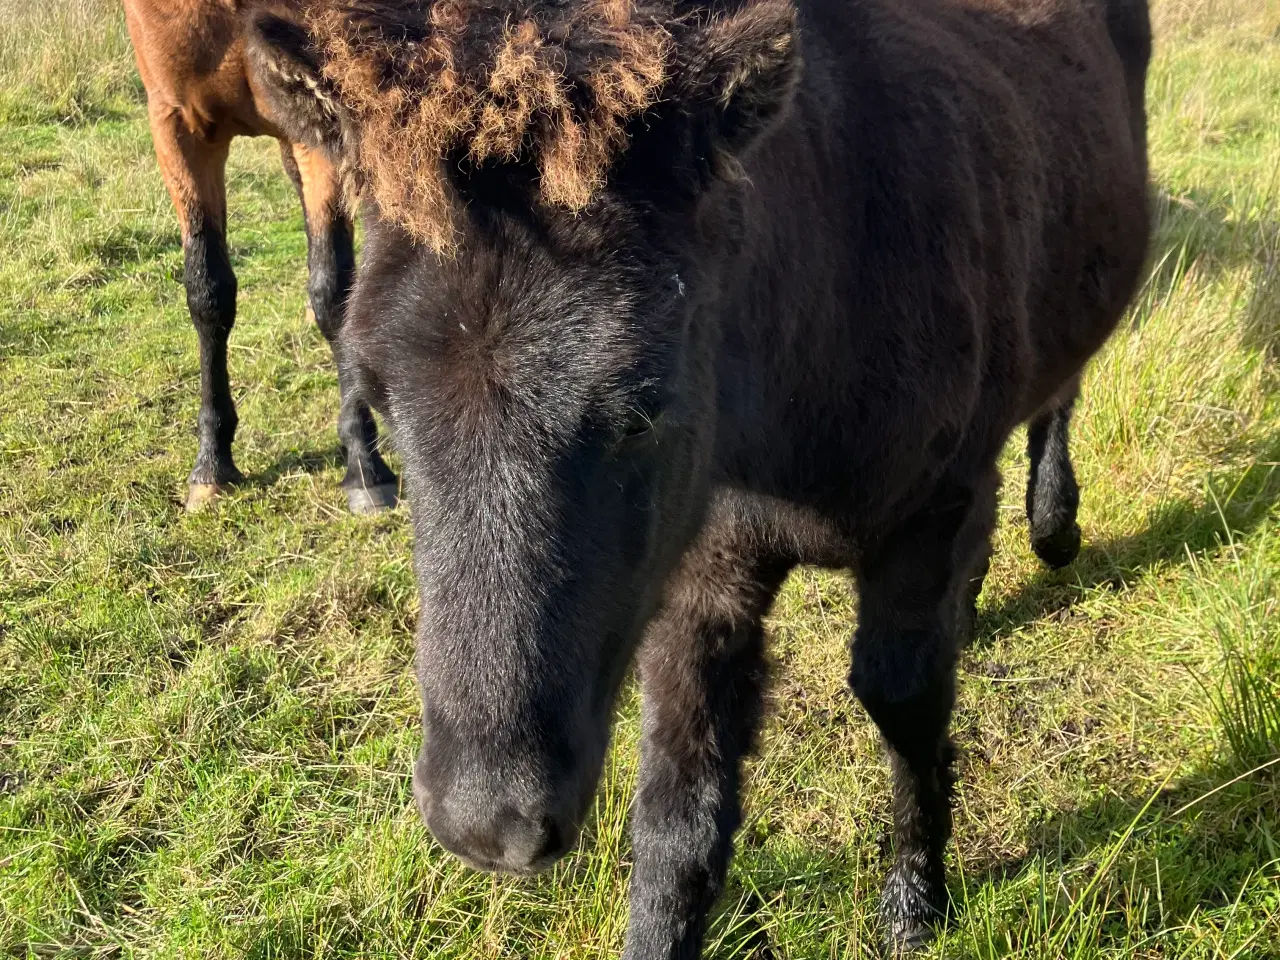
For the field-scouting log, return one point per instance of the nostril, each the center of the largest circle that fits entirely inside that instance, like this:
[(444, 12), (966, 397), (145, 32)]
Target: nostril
[(478, 843), (528, 843), (553, 843)]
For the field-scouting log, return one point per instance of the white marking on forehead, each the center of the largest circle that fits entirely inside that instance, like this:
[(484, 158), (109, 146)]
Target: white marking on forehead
[(679, 283)]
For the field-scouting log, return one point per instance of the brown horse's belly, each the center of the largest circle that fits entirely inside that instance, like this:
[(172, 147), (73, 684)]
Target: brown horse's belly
[(207, 83)]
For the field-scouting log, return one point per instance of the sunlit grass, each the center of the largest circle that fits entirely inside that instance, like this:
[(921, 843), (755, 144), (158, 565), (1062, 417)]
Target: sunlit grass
[(66, 60), (207, 722)]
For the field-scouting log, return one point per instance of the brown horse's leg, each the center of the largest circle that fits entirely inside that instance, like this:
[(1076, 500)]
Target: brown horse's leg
[(1053, 497), (193, 169), (702, 669), (915, 599), (369, 482)]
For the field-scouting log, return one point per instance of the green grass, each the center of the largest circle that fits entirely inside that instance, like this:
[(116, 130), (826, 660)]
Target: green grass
[(65, 60), (207, 722)]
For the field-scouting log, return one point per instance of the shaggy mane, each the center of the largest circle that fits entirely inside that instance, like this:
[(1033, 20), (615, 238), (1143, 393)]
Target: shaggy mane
[(551, 81)]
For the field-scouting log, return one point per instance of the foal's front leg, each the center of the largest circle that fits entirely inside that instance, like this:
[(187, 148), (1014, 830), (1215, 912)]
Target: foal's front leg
[(916, 596), (702, 669)]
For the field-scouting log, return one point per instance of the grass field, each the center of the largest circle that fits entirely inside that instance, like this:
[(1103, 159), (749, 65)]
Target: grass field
[(207, 722)]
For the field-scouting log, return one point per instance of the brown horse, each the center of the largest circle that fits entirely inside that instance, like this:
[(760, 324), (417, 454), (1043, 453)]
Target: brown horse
[(201, 94)]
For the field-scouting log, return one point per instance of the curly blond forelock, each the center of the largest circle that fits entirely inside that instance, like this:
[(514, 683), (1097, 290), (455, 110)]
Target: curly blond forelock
[(546, 83)]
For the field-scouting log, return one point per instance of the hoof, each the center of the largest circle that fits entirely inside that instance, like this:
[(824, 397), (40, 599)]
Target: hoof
[(367, 500), (907, 941), (1059, 548), (200, 495), (908, 912)]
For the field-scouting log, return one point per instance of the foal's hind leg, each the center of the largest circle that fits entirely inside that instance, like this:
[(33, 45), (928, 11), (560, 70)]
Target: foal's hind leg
[(369, 482), (702, 669), (915, 593), (1052, 494), (193, 170)]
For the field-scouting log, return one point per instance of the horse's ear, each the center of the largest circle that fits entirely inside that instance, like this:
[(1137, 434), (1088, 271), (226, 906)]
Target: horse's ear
[(289, 72), (740, 71)]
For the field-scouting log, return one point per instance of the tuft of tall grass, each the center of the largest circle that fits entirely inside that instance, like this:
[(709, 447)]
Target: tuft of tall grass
[(1239, 611), (1248, 703), (65, 60)]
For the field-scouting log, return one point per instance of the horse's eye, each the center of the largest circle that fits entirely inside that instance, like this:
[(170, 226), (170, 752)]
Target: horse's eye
[(638, 427)]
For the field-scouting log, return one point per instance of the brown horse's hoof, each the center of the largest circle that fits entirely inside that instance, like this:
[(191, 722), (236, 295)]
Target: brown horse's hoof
[(367, 500), (200, 495)]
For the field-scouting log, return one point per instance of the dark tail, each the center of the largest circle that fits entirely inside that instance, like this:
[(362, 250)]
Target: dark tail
[(1052, 494)]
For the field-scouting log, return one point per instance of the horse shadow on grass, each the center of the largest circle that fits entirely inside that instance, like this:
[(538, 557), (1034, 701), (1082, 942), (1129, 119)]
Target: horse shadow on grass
[(130, 245), (1135, 866), (292, 462), (1203, 228), (1220, 814), (1237, 499)]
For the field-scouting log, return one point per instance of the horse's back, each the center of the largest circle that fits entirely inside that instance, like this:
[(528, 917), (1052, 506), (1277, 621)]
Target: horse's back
[(968, 197), (1038, 105)]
